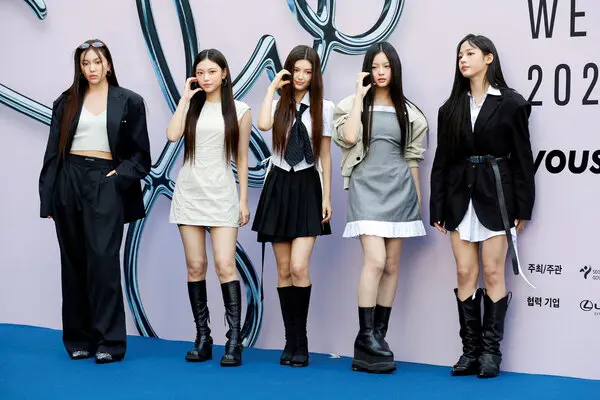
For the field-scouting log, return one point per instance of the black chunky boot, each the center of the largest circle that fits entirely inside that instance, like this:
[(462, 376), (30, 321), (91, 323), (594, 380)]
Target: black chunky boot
[(286, 300), (232, 297), (369, 354), (381, 322), (301, 301), (202, 350), (493, 333), (469, 317)]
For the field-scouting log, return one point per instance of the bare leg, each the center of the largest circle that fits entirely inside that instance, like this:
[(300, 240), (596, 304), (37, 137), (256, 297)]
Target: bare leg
[(223, 242), (466, 255), (374, 258), (388, 284)]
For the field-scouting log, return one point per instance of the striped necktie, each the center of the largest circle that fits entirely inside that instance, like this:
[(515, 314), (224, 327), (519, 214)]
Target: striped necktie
[(299, 146)]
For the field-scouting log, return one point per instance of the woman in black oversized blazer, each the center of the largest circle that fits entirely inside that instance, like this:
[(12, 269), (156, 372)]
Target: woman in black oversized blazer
[(482, 191), (97, 152)]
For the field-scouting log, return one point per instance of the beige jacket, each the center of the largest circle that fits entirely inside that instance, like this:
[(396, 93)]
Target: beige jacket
[(354, 154)]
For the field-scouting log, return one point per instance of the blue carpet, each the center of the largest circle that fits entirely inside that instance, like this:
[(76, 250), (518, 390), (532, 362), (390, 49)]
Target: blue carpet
[(34, 365)]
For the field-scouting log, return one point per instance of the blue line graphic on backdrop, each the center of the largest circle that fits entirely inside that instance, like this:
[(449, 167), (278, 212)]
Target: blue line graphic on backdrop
[(327, 38)]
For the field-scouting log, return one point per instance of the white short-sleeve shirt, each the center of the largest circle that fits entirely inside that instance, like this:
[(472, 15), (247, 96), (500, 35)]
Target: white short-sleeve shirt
[(328, 108)]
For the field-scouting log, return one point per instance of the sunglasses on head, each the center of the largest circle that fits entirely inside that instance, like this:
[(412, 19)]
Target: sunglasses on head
[(88, 45)]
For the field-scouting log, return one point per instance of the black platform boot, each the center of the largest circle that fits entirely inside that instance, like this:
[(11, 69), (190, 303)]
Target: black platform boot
[(469, 317), (369, 353), (286, 300), (301, 301), (232, 298), (493, 333), (202, 350), (381, 322)]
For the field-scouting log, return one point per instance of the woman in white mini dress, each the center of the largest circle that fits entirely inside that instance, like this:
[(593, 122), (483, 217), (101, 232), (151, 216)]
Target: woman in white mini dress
[(216, 128)]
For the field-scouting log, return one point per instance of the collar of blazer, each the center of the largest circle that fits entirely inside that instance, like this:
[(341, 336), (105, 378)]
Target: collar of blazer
[(490, 105)]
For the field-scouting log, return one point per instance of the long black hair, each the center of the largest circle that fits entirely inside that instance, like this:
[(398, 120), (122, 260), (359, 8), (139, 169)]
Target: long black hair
[(76, 92), (286, 107), (232, 131), (455, 111), (396, 92)]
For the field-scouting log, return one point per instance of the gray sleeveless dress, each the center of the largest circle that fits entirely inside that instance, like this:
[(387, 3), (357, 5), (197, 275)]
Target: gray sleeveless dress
[(382, 194)]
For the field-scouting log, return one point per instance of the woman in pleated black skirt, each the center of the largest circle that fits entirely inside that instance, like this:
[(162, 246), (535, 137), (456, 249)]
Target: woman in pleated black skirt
[(295, 203)]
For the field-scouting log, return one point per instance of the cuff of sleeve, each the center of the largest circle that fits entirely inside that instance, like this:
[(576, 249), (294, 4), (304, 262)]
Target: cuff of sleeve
[(413, 163), (523, 216), (121, 170), (436, 215), (433, 221), (45, 210)]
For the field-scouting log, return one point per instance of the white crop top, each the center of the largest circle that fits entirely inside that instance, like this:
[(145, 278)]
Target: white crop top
[(91, 133)]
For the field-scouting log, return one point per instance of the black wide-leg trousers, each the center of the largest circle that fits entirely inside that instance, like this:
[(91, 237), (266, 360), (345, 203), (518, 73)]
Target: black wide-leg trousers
[(88, 214)]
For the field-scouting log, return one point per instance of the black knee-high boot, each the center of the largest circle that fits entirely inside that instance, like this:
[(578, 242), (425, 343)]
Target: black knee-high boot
[(369, 353), (232, 297), (469, 317), (202, 350), (286, 300), (301, 302), (381, 322), (493, 332)]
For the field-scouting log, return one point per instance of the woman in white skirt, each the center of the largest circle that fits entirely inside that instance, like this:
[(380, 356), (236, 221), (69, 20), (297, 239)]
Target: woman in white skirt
[(381, 136), (295, 206), (482, 191), (216, 128)]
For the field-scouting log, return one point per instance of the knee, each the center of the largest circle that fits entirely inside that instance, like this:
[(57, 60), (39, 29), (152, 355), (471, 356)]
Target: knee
[(225, 268), (391, 268), (375, 263), (197, 269), (493, 274), (283, 270), (299, 270), (466, 272)]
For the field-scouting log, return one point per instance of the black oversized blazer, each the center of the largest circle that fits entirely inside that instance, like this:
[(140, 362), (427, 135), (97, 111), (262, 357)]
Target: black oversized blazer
[(129, 146), (501, 129)]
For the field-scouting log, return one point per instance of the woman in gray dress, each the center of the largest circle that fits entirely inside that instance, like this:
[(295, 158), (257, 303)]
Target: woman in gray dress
[(380, 134)]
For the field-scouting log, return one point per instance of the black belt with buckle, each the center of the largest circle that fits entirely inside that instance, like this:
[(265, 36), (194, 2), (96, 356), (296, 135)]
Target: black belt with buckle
[(493, 161)]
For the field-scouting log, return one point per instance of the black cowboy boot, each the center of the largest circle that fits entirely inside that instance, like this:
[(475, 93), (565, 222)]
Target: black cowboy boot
[(202, 350), (369, 354), (381, 322), (232, 297), (493, 333), (286, 300), (301, 301), (469, 317)]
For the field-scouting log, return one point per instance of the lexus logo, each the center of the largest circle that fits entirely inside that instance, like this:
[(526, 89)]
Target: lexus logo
[(588, 305)]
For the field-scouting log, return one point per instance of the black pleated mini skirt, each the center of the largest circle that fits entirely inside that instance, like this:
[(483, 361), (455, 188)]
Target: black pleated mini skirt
[(290, 206)]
